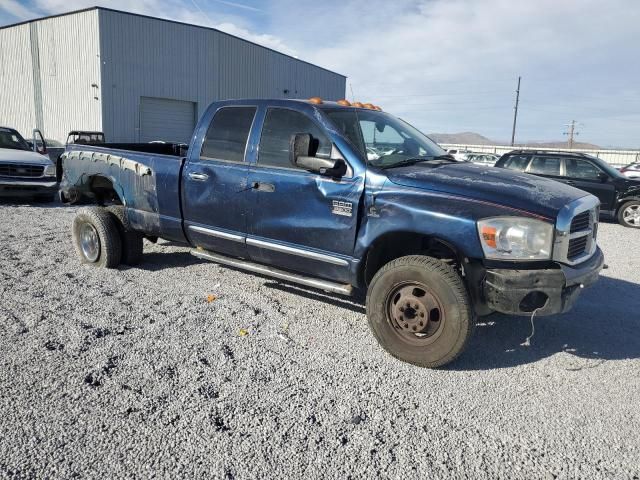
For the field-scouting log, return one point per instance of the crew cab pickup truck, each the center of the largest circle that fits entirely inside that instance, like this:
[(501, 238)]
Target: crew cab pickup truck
[(286, 188)]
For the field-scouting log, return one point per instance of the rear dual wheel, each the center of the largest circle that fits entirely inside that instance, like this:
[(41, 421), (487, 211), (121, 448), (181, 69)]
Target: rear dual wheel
[(419, 311), (103, 237)]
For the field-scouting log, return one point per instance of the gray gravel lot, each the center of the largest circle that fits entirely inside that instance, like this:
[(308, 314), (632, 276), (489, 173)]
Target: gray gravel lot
[(133, 373)]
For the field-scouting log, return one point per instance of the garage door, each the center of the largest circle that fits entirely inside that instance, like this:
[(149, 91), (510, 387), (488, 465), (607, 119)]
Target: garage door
[(167, 120)]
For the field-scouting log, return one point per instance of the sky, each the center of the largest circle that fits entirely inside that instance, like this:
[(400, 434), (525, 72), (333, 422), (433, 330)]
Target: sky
[(445, 66)]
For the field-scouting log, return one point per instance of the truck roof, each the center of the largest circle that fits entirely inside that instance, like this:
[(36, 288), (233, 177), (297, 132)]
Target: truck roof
[(313, 101)]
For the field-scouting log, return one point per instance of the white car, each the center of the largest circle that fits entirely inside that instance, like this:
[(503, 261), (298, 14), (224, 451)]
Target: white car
[(23, 171), (631, 171), (488, 159)]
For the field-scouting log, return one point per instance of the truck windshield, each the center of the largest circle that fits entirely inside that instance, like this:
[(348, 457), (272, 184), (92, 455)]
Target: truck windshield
[(12, 139), (383, 139)]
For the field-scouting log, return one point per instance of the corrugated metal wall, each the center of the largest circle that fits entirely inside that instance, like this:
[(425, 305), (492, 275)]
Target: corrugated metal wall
[(16, 80), (47, 68), (144, 57), (88, 70)]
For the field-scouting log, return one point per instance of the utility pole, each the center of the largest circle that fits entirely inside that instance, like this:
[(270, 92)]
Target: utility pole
[(515, 113), (571, 133)]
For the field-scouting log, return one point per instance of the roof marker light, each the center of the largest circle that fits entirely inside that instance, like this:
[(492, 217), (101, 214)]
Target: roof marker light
[(368, 105), (344, 103), (357, 104), (315, 100)]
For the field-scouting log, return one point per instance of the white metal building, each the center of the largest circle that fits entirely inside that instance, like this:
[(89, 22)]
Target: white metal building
[(137, 78)]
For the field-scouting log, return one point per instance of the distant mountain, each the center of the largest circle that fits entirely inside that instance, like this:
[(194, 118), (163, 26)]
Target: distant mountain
[(465, 138), (472, 138)]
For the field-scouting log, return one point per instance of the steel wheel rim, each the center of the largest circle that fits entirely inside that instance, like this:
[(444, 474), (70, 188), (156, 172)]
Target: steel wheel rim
[(631, 215), (89, 242), (415, 313)]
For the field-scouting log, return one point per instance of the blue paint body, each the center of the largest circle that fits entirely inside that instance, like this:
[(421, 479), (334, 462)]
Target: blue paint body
[(441, 202)]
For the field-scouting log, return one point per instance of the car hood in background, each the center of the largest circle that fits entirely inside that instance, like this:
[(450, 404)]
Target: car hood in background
[(9, 155), (523, 191)]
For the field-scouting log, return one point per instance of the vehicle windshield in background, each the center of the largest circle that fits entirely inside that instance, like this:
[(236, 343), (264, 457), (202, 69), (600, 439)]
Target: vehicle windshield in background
[(383, 139), (86, 137), (12, 139)]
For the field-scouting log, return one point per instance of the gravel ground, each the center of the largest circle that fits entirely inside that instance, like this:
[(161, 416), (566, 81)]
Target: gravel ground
[(135, 373)]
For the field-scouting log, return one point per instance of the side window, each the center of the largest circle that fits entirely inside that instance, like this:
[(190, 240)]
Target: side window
[(279, 125), (545, 166), (227, 135), (517, 162), (577, 168)]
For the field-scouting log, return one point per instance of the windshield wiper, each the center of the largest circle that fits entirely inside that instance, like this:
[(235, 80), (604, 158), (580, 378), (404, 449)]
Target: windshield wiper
[(414, 160)]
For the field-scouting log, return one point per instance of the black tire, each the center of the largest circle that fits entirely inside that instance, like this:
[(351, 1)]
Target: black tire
[(626, 212), (448, 326), (98, 221), (131, 240)]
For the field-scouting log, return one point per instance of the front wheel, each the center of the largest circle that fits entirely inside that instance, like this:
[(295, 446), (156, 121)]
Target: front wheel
[(419, 311), (629, 214)]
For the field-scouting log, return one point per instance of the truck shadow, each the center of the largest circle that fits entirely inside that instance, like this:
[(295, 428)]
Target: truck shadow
[(604, 325), (29, 202), (354, 304), (157, 261)]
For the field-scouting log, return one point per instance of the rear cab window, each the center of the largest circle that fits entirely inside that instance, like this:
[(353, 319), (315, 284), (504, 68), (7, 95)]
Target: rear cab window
[(226, 138)]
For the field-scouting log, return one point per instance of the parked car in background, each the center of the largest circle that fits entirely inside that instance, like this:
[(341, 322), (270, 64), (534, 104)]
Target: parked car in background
[(460, 155), (23, 171), (619, 196), (285, 188), (488, 159), (85, 137), (632, 170)]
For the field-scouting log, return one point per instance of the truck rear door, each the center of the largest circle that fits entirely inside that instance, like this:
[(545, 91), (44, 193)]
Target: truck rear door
[(299, 220), (214, 183)]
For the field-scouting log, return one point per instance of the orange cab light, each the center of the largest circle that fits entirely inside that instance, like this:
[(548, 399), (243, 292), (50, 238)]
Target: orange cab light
[(489, 236), (357, 104), (376, 107), (344, 103), (369, 106), (315, 100)]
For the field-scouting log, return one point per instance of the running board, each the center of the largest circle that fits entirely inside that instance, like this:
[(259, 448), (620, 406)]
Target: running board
[(343, 289)]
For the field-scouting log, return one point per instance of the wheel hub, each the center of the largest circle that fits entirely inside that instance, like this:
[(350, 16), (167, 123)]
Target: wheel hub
[(414, 311), (631, 215), (89, 242)]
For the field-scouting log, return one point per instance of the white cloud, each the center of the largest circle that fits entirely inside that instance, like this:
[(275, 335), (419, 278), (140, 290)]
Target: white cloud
[(16, 9)]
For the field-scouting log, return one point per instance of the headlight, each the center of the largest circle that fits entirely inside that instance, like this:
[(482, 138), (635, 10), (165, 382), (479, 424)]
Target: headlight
[(515, 238), (50, 171)]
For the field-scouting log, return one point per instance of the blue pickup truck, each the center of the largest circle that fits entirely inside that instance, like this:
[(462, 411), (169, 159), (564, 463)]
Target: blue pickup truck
[(344, 197)]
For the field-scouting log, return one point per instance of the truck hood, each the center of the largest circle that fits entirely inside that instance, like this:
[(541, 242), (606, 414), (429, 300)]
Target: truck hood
[(27, 157), (523, 191)]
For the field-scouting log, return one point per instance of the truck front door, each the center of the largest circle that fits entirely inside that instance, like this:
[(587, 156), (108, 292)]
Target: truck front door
[(299, 220), (214, 184)]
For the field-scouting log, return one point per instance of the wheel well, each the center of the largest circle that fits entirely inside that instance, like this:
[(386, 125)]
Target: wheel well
[(103, 191), (399, 244)]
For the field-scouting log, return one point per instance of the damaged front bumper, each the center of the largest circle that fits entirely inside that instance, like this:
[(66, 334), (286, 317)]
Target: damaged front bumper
[(547, 291)]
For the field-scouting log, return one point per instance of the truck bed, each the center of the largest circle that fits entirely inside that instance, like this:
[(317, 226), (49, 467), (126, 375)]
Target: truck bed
[(148, 175)]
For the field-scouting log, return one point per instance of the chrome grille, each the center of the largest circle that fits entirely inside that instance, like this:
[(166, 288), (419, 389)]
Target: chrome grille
[(580, 222), (18, 170), (576, 230)]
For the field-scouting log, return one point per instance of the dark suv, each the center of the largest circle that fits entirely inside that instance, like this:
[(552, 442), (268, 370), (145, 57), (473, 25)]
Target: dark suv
[(619, 196)]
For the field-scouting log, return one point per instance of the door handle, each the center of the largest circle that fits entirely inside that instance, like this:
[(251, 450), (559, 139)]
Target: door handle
[(570, 182), (263, 187), (198, 176)]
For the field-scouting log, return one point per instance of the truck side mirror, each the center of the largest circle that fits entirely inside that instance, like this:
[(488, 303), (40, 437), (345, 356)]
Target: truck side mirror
[(603, 177), (302, 150)]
